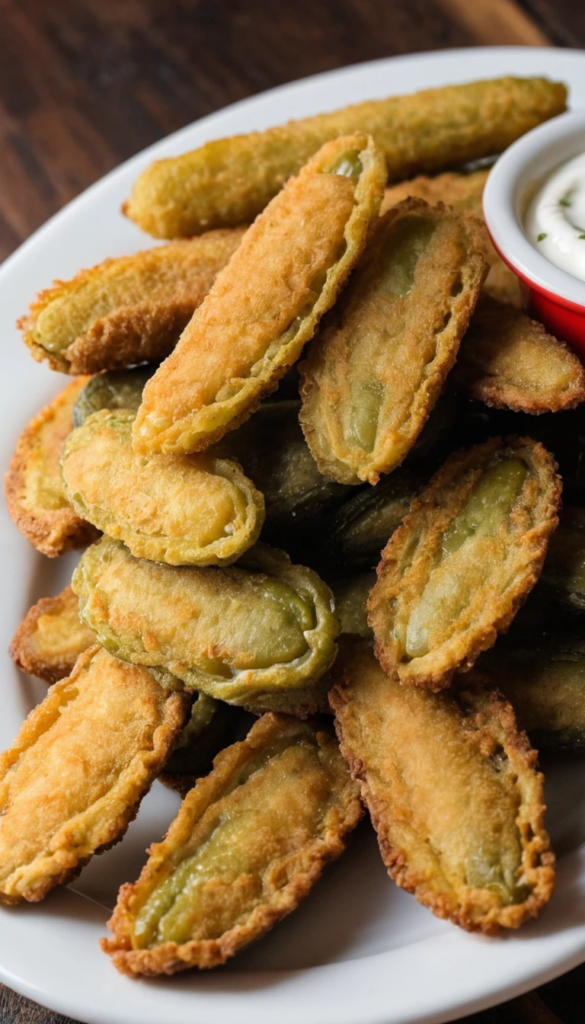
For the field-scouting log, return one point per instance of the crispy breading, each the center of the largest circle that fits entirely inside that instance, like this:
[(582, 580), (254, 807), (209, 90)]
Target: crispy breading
[(126, 310), (266, 304), (377, 367), (453, 793), (35, 495), (465, 558), (463, 192), (247, 846), (229, 181), (179, 509), (260, 637), (74, 777), (51, 637), (509, 361)]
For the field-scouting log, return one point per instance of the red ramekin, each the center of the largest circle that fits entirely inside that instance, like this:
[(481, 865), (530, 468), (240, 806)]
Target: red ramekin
[(552, 296)]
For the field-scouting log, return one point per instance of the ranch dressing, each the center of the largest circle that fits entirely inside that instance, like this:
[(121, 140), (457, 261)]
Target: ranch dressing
[(555, 222)]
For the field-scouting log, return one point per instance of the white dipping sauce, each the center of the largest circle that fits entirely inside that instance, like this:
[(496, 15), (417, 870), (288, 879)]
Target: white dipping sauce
[(555, 222)]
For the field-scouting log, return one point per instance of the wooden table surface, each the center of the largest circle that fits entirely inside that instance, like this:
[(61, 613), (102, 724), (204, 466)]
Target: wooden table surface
[(84, 84)]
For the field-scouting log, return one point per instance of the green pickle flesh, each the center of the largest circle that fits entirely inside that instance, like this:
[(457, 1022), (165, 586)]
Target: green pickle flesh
[(233, 633), (229, 849), (116, 389), (490, 502)]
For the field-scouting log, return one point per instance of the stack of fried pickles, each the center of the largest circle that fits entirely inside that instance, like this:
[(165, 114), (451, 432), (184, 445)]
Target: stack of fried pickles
[(311, 451)]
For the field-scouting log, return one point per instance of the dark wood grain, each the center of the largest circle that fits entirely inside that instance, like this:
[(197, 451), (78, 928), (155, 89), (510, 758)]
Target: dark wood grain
[(84, 84)]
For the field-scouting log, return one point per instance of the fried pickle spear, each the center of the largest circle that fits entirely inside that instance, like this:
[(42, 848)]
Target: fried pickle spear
[(257, 637), (544, 680), (359, 529), (35, 496), (113, 390), (273, 452), (378, 365), (51, 637), (248, 844), (463, 192), (453, 793), (126, 310), (267, 302), (509, 361), (465, 558), (229, 181), (179, 509), (74, 777)]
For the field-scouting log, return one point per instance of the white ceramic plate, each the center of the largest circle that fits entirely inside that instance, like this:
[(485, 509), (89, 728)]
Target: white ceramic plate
[(359, 951)]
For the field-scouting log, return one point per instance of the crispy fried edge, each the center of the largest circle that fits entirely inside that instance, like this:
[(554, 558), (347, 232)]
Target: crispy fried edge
[(176, 706), (170, 957), (460, 657), (491, 320), (302, 699), (129, 334), (156, 546), (53, 531), (22, 651), (368, 193), (447, 346), (537, 857)]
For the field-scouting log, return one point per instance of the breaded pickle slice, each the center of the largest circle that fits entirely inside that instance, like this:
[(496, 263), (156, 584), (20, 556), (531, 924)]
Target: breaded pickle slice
[(35, 495), (361, 527), (463, 192), (257, 638), (115, 389), (211, 726), (465, 558), (74, 777), (266, 304), (453, 793), (229, 181), (544, 680), (273, 452), (379, 364), (350, 597), (509, 361), (563, 575), (51, 637), (248, 844), (180, 509), (126, 310)]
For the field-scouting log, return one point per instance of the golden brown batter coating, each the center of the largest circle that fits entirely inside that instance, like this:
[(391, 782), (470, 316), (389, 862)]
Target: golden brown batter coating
[(126, 310), (74, 777), (229, 181), (35, 495), (465, 558), (178, 509), (51, 637), (248, 844), (463, 192), (509, 361), (266, 304), (453, 792), (377, 368)]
